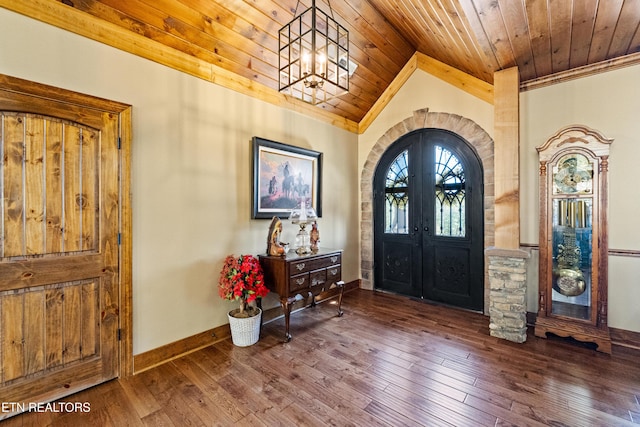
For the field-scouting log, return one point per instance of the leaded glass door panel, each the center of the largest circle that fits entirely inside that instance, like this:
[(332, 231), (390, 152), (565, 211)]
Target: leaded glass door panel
[(428, 220), (397, 238)]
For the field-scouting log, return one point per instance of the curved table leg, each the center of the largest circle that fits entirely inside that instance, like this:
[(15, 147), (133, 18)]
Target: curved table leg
[(340, 284), (286, 308), (313, 299)]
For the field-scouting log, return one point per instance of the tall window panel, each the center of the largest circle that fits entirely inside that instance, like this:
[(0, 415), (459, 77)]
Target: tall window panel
[(449, 194), (397, 195)]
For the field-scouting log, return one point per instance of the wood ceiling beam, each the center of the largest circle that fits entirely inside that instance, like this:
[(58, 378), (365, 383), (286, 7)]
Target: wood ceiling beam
[(584, 71), (463, 81)]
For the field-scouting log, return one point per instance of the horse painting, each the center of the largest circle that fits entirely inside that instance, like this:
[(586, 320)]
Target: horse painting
[(285, 175)]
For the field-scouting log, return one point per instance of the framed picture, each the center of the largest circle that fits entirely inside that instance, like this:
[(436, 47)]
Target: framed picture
[(283, 177)]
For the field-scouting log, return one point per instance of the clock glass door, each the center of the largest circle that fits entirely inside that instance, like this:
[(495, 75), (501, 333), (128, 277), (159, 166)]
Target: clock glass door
[(572, 212)]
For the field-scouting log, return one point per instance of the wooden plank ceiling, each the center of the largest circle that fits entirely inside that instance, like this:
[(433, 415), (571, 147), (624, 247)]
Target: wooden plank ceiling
[(478, 37)]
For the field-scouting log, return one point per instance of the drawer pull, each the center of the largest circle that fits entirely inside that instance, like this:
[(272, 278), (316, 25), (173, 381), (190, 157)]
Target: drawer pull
[(300, 281), (333, 271), (300, 266), (334, 259)]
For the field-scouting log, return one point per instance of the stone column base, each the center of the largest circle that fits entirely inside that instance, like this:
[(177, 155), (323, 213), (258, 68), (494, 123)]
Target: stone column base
[(508, 294)]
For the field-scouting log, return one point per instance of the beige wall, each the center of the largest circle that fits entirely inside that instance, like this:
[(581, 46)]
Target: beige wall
[(191, 172), (609, 103)]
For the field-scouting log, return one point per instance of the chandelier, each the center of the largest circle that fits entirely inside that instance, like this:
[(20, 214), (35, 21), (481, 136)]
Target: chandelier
[(314, 60)]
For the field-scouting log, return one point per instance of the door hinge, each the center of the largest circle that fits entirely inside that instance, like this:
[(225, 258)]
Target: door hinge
[(119, 143), (119, 334), (119, 239)]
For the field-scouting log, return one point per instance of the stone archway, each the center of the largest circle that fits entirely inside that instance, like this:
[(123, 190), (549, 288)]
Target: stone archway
[(479, 140)]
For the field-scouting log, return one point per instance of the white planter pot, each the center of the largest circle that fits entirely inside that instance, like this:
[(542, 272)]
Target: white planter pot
[(245, 331)]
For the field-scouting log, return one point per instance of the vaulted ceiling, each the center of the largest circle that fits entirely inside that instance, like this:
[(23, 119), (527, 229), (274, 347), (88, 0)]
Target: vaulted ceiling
[(477, 37)]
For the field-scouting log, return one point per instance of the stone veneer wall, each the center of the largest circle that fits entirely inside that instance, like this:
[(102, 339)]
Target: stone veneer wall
[(478, 139), (508, 294)]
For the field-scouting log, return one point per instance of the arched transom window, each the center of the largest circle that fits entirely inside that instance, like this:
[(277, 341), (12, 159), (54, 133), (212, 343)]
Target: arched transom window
[(449, 195)]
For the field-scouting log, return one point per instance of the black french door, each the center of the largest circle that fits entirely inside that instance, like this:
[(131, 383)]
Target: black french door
[(428, 219)]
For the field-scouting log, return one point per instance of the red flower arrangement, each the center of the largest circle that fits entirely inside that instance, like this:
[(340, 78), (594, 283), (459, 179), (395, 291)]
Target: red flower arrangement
[(242, 279)]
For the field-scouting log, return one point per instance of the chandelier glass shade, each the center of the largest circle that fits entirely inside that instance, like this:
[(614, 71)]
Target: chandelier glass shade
[(314, 57)]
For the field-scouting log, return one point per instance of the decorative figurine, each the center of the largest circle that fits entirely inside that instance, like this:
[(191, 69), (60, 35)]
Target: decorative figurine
[(315, 237), (274, 246)]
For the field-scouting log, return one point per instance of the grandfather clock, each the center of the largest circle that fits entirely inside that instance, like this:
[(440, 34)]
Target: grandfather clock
[(573, 236)]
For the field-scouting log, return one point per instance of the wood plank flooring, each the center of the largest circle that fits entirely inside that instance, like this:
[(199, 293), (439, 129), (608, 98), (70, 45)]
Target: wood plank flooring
[(389, 361)]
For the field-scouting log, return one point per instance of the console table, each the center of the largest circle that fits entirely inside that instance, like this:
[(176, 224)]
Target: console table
[(309, 274)]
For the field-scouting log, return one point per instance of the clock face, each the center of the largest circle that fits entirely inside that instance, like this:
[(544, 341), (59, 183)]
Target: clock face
[(573, 174)]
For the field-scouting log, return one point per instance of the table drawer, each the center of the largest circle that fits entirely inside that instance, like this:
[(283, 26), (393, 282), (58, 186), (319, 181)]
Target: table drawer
[(318, 277), (306, 265), (334, 274), (334, 259), (298, 282)]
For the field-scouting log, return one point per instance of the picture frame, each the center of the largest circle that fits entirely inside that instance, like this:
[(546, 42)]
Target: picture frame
[(283, 176)]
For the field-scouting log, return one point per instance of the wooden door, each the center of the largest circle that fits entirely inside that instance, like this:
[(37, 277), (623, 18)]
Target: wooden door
[(428, 219), (59, 256)]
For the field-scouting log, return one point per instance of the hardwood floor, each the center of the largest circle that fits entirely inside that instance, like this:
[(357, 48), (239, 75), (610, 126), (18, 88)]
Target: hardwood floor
[(388, 361)]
